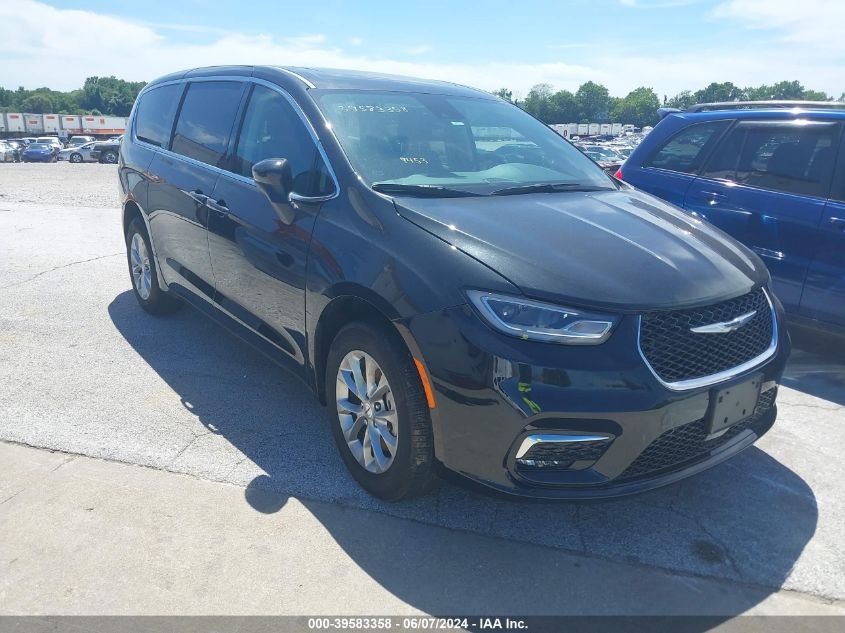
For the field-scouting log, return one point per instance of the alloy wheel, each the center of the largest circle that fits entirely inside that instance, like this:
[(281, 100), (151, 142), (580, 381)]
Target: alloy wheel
[(140, 262), (367, 412)]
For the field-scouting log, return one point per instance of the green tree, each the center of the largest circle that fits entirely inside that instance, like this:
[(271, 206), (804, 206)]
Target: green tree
[(593, 102), (564, 107), (638, 107), (816, 95), (682, 100), (505, 94), (37, 104), (538, 102), (716, 92)]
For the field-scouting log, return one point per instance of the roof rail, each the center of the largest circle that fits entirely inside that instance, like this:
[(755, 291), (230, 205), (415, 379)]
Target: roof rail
[(746, 105)]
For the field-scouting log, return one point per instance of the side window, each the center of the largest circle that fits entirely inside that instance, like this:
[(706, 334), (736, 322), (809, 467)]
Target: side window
[(272, 129), (206, 120), (685, 151), (790, 158), (838, 190), (155, 112)]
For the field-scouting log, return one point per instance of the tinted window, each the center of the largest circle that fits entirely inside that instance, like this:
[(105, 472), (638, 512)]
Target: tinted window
[(838, 189), (272, 129), (206, 120), (155, 112), (791, 158), (685, 151)]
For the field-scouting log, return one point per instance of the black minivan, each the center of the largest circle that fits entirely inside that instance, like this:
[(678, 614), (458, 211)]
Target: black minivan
[(457, 283)]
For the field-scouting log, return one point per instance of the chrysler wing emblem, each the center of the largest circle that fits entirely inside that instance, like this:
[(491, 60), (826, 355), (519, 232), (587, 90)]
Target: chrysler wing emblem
[(725, 326)]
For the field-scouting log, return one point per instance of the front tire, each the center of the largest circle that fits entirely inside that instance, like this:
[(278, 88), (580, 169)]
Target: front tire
[(76, 157), (143, 273), (110, 157), (379, 414)]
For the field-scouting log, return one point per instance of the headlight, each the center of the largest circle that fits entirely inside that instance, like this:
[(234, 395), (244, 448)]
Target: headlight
[(538, 321)]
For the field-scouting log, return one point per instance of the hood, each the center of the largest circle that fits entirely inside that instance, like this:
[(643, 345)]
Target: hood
[(620, 250)]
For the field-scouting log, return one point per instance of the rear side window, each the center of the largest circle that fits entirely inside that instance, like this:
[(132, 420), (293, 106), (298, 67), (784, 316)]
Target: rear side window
[(155, 112), (272, 129), (206, 120), (793, 158), (685, 151)]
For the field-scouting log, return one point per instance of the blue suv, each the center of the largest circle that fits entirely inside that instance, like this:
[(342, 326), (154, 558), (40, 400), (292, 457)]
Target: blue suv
[(772, 175)]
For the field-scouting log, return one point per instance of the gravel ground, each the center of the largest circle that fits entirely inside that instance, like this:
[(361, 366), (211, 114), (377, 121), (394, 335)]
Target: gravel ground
[(84, 370), (82, 185)]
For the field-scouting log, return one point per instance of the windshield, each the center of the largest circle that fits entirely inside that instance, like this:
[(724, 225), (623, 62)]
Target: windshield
[(39, 146), (402, 138)]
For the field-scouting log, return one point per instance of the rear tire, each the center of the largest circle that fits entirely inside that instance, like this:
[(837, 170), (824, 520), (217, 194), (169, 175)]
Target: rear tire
[(399, 415), (110, 157), (143, 273)]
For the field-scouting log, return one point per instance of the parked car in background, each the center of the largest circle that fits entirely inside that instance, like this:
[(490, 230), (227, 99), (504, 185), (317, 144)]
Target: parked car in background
[(105, 152), (772, 175), (18, 147), (608, 158), (78, 154), (39, 153), (76, 141), (27, 140), (7, 153), (503, 308), (52, 141)]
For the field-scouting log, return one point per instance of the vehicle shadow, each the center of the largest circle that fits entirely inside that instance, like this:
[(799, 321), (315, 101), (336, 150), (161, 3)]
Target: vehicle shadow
[(747, 520), (817, 365)]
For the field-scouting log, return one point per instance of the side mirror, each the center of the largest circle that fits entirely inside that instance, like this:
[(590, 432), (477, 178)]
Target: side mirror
[(274, 179)]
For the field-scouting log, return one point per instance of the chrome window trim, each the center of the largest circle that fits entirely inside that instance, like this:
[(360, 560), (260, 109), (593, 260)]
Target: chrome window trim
[(296, 75), (733, 372), (531, 440), (243, 79)]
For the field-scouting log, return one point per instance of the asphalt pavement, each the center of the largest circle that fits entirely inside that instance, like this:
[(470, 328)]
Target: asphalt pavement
[(84, 371)]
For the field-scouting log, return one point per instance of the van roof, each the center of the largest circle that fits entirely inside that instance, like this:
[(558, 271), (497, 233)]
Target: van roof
[(333, 79)]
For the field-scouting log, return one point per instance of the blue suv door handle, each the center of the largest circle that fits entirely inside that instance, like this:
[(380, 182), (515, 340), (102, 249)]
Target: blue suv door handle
[(837, 223), (714, 195)]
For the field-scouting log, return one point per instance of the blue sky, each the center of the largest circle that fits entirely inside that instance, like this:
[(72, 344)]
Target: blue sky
[(669, 45)]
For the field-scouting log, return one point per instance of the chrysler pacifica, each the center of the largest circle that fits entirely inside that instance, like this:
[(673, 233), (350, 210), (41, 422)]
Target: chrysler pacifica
[(460, 286)]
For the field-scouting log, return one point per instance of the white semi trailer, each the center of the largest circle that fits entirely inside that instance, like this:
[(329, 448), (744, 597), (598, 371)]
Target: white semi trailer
[(33, 123)]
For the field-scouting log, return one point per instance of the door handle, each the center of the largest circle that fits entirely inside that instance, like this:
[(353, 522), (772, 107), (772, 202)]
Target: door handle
[(197, 196), (837, 223), (218, 207), (714, 195)]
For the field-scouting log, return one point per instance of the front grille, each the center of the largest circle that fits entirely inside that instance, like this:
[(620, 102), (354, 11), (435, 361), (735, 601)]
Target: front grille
[(561, 455), (689, 442), (675, 353)]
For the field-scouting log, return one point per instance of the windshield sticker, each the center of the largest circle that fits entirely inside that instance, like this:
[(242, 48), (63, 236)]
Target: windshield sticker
[(372, 107)]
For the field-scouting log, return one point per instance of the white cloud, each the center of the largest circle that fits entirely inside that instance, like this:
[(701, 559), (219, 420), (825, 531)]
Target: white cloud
[(817, 24), (35, 52)]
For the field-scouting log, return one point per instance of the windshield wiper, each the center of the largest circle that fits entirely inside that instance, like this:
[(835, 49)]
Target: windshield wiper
[(547, 187), (428, 191)]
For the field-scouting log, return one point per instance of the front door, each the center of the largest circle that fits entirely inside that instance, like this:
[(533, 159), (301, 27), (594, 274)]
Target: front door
[(824, 292), (259, 258)]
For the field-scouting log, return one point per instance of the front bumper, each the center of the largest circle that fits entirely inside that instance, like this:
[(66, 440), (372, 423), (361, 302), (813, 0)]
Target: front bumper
[(493, 391)]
